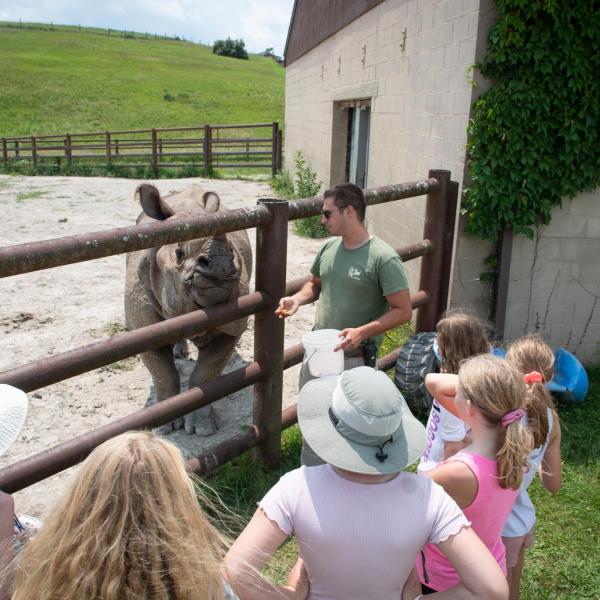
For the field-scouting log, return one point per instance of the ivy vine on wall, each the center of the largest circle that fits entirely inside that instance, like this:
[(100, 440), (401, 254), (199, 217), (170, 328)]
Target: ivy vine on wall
[(535, 135)]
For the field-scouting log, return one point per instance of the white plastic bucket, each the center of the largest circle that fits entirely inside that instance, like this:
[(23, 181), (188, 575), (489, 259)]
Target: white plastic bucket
[(319, 354)]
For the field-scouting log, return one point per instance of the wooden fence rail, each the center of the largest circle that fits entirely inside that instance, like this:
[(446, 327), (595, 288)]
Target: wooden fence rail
[(203, 146)]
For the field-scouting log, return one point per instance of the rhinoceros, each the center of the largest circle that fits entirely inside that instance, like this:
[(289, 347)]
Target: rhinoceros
[(175, 279)]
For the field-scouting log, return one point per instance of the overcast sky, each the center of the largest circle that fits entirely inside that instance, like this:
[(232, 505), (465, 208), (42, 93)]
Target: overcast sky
[(260, 23)]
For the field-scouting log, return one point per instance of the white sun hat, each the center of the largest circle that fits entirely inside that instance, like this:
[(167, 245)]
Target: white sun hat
[(13, 412)]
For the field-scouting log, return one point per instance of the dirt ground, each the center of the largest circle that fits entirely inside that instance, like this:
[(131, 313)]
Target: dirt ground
[(52, 311)]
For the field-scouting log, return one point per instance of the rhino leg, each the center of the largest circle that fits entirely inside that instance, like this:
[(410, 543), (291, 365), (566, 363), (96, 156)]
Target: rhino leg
[(212, 358), (161, 365)]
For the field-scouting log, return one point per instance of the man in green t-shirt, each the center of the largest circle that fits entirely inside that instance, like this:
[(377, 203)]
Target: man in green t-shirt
[(359, 280)]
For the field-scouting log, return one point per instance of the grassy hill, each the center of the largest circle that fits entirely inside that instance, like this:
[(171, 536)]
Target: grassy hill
[(62, 80)]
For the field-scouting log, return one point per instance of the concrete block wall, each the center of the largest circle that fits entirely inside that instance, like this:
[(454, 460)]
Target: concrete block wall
[(555, 279), (420, 100)]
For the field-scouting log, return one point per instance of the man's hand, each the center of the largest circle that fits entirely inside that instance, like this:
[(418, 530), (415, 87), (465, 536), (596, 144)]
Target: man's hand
[(352, 337), (298, 580), (287, 307)]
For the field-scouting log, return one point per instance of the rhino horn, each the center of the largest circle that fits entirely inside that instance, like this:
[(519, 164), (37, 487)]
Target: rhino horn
[(211, 202), (149, 198)]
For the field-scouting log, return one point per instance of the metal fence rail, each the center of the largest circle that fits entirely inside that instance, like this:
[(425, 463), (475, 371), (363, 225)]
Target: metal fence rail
[(271, 218)]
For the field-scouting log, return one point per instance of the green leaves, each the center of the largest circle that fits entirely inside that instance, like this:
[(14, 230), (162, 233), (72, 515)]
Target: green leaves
[(535, 134)]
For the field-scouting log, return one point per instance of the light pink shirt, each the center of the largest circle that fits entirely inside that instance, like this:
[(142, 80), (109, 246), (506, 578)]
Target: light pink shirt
[(488, 513), (359, 541)]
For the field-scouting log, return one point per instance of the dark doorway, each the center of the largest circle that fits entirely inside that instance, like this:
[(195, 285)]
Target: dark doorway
[(357, 146)]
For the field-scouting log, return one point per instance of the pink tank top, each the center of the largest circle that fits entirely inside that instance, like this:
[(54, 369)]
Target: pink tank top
[(488, 513)]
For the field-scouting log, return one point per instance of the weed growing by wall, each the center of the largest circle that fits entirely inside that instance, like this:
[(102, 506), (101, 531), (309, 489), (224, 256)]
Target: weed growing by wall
[(535, 135)]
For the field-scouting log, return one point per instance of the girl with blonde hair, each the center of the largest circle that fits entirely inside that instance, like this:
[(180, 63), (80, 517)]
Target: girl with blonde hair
[(535, 359), (484, 478), (128, 528), (459, 336)]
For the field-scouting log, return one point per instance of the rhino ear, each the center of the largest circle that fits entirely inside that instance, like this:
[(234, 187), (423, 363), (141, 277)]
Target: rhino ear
[(149, 198), (211, 202)]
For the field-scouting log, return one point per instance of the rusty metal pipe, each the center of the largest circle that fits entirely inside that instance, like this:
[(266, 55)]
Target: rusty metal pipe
[(308, 207), (34, 256), (271, 241), (436, 266), (25, 258), (35, 375), (30, 470), (225, 451)]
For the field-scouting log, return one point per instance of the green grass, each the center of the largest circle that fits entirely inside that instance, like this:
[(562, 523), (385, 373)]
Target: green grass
[(62, 81), (563, 564), (30, 195)]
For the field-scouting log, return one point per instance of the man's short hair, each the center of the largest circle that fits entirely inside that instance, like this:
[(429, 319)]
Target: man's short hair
[(348, 194)]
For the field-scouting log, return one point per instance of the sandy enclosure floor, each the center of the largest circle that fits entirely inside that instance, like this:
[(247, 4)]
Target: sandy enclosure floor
[(52, 311)]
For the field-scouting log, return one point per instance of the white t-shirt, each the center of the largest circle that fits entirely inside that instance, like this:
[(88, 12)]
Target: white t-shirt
[(522, 516), (360, 541), (442, 426)]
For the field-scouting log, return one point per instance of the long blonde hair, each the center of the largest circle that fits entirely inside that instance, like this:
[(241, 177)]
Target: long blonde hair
[(129, 528), (531, 353), (496, 388), (460, 336)]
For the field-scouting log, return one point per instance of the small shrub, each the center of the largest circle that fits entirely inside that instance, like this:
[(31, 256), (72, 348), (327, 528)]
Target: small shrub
[(306, 186), (282, 183), (168, 97)]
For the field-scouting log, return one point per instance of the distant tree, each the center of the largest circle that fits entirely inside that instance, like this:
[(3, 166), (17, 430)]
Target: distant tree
[(232, 48), (269, 52)]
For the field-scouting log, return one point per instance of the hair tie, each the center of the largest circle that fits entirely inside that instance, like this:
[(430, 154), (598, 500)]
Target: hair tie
[(512, 416), (533, 377)]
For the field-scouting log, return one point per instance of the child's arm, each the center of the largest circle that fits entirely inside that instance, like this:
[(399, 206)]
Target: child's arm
[(412, 586), (443, 387), (550, 469), (458, 481), (248, 555)]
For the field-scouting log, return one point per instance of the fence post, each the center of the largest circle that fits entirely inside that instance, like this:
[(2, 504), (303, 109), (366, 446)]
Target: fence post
[(116, 147), (207, 149), (271, 240), (107, 146), (280, 150), (4, 152), (154, 154), (16, 148), (274, 139), (435, 267), (7, 511), (33, 151)]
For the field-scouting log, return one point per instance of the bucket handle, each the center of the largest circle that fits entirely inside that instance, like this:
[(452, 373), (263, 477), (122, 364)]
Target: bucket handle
[(307, 358)]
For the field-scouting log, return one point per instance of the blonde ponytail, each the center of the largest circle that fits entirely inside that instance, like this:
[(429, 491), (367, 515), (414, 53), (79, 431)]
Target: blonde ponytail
[(528, 354), (497, 389)]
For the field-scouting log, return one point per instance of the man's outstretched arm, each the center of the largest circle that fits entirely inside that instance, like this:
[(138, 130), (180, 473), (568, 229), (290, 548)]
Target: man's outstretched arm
[(308, 293)]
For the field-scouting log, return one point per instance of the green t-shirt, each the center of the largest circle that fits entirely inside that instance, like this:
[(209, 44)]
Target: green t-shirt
[(354, 283)]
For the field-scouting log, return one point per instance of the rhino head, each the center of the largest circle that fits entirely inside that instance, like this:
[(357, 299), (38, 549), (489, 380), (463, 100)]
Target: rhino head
[(189, 275)]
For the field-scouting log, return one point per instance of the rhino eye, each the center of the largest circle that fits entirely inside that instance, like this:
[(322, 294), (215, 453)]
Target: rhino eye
[(179, 255)]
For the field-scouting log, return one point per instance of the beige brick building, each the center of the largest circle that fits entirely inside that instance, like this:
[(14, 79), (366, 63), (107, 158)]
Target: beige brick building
[(390, 83)]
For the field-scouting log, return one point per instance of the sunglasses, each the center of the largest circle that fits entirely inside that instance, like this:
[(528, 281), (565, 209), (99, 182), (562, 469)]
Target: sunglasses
[(327, 213)]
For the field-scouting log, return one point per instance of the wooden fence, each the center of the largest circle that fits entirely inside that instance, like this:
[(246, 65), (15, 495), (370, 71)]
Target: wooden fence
[(257, 145)]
